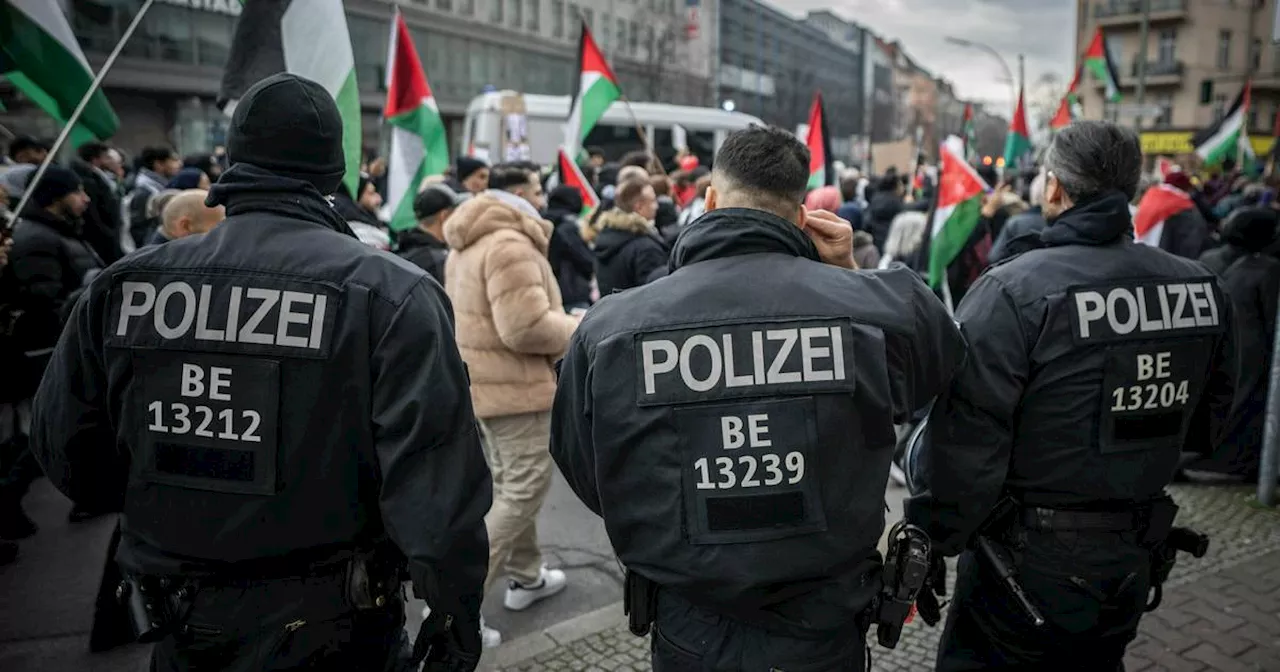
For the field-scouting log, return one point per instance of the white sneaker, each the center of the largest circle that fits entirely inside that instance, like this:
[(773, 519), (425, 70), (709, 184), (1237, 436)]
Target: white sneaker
[(898, 476), (520, 597), (489, 638)]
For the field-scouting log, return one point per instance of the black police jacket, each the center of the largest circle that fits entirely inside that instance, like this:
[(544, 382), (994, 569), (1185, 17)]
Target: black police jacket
[(1093, 362), (733, 421), (271, 394), (424, 251)]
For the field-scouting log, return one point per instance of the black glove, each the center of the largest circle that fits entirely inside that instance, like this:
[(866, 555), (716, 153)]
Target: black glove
[(927, 604), (448, 644)]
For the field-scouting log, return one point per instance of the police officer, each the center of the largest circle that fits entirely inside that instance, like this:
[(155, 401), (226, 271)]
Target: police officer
[(733, 422), (1093, 361), (284, 416)]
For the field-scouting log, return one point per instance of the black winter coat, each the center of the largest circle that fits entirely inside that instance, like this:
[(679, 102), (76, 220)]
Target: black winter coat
[(341, 403), (425, 251), (884, 206), (102, 221), (628, 252), (570, 257)]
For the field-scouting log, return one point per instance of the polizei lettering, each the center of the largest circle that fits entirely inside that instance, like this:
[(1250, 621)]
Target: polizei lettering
[(1145, 310), (214, 314), (744, 360)]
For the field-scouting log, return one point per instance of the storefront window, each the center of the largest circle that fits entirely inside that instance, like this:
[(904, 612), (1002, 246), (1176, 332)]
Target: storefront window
[(165, 35), (199, 126), (369, 48), (213, 37)]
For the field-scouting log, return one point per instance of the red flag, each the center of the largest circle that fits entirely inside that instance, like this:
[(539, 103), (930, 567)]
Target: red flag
[(821, 173), (1062, 117), (1159, 203), (570, 175)]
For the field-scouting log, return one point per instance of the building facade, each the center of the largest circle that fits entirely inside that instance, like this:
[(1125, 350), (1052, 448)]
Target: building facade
[(164, 85), (771, 64), (1199, 53)]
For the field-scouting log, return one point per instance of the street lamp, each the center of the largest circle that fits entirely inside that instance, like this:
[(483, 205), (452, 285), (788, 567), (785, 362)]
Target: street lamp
[(970, 44)]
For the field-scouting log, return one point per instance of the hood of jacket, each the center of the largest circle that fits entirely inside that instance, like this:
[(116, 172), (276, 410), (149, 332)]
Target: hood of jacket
[(1099, 221), (619, 229), (732, 232), (64, 227), (1252, 229), (486, 214), (247, 189)]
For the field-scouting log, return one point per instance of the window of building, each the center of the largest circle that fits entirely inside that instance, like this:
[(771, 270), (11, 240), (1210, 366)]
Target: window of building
[(603, 35), (446, 5), (1255, 55), (589, 17), (1219, 107), (633, 38), (557, 18), (535, 18), (515, 12), (1253, 117), (621, 44), (369, 51), (1168, 40), (1115, 47), (1224, 49), (495, 11), (467, 7), (1165, 118)]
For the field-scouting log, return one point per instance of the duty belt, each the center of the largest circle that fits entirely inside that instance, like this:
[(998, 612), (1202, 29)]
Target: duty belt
[(1055, 520)]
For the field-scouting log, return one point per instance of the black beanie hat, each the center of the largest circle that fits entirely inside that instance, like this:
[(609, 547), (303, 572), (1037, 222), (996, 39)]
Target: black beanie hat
[(56, 183), (467, 165), (290, 126)]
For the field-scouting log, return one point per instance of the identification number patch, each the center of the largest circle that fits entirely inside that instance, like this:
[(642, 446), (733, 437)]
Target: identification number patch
[(749, 472), (208, 421), (1150, 391)]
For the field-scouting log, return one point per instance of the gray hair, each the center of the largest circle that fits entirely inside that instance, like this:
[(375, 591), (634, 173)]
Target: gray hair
[(1090, 158)]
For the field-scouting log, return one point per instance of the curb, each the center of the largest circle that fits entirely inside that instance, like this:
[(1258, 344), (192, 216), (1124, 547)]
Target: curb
[(565, 632)]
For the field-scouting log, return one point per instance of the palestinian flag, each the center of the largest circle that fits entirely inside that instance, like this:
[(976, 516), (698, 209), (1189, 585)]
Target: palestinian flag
[(1067, 107), (1018, 143), (39, 55), (595, 91), (957, 213), (570, 175), (970, 132), (1223, 140), (1158, 204), (419, 145), (1098, 61), (307, 38), (821, 172)]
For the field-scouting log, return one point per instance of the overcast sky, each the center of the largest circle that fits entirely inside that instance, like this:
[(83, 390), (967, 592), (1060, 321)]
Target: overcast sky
[(1042, 30)]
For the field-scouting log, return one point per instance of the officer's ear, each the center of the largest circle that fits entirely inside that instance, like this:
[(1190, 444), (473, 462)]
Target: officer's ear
[(709, 202)]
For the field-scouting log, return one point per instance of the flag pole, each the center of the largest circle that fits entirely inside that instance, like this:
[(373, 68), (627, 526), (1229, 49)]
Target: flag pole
[(644, 136), (7, 133), (75, 116)]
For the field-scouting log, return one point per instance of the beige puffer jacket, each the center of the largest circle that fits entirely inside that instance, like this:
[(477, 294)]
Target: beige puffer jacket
[(511, 324)]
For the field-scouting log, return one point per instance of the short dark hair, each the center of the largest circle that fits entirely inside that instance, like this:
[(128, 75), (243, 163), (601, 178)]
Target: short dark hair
[(92, 150), (628, 193), (24, 143), (848, 188), (504, 176), (638, 157), (767, 164), (1089, 158), (151, 155), (595, 151)]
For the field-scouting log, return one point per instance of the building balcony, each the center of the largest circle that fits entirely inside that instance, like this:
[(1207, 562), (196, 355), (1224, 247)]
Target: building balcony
[(1159, 73), (1128, 13)]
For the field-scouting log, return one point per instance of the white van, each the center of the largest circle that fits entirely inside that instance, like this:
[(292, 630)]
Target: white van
[(484, 133)]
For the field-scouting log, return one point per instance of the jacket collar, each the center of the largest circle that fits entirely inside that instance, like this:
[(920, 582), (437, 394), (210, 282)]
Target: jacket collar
[(731, 232), (1100, 221), (151, 176), (514, 201), (419, 238), (64, 227), (247, 189)]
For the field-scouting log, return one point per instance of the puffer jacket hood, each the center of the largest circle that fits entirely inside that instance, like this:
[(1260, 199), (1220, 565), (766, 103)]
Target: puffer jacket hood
[(617, 230), (484, 215)]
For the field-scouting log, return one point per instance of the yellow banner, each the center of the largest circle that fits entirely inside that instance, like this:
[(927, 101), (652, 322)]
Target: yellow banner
[(1179, 142)]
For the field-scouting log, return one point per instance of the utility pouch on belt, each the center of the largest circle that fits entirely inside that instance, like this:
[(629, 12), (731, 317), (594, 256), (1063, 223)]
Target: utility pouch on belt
[(906, 567), (373, 578), (1164, 540), (156, 606), (639, 603)]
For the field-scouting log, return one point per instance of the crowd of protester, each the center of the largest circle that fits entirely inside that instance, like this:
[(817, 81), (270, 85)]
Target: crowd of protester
[(522, 260)]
